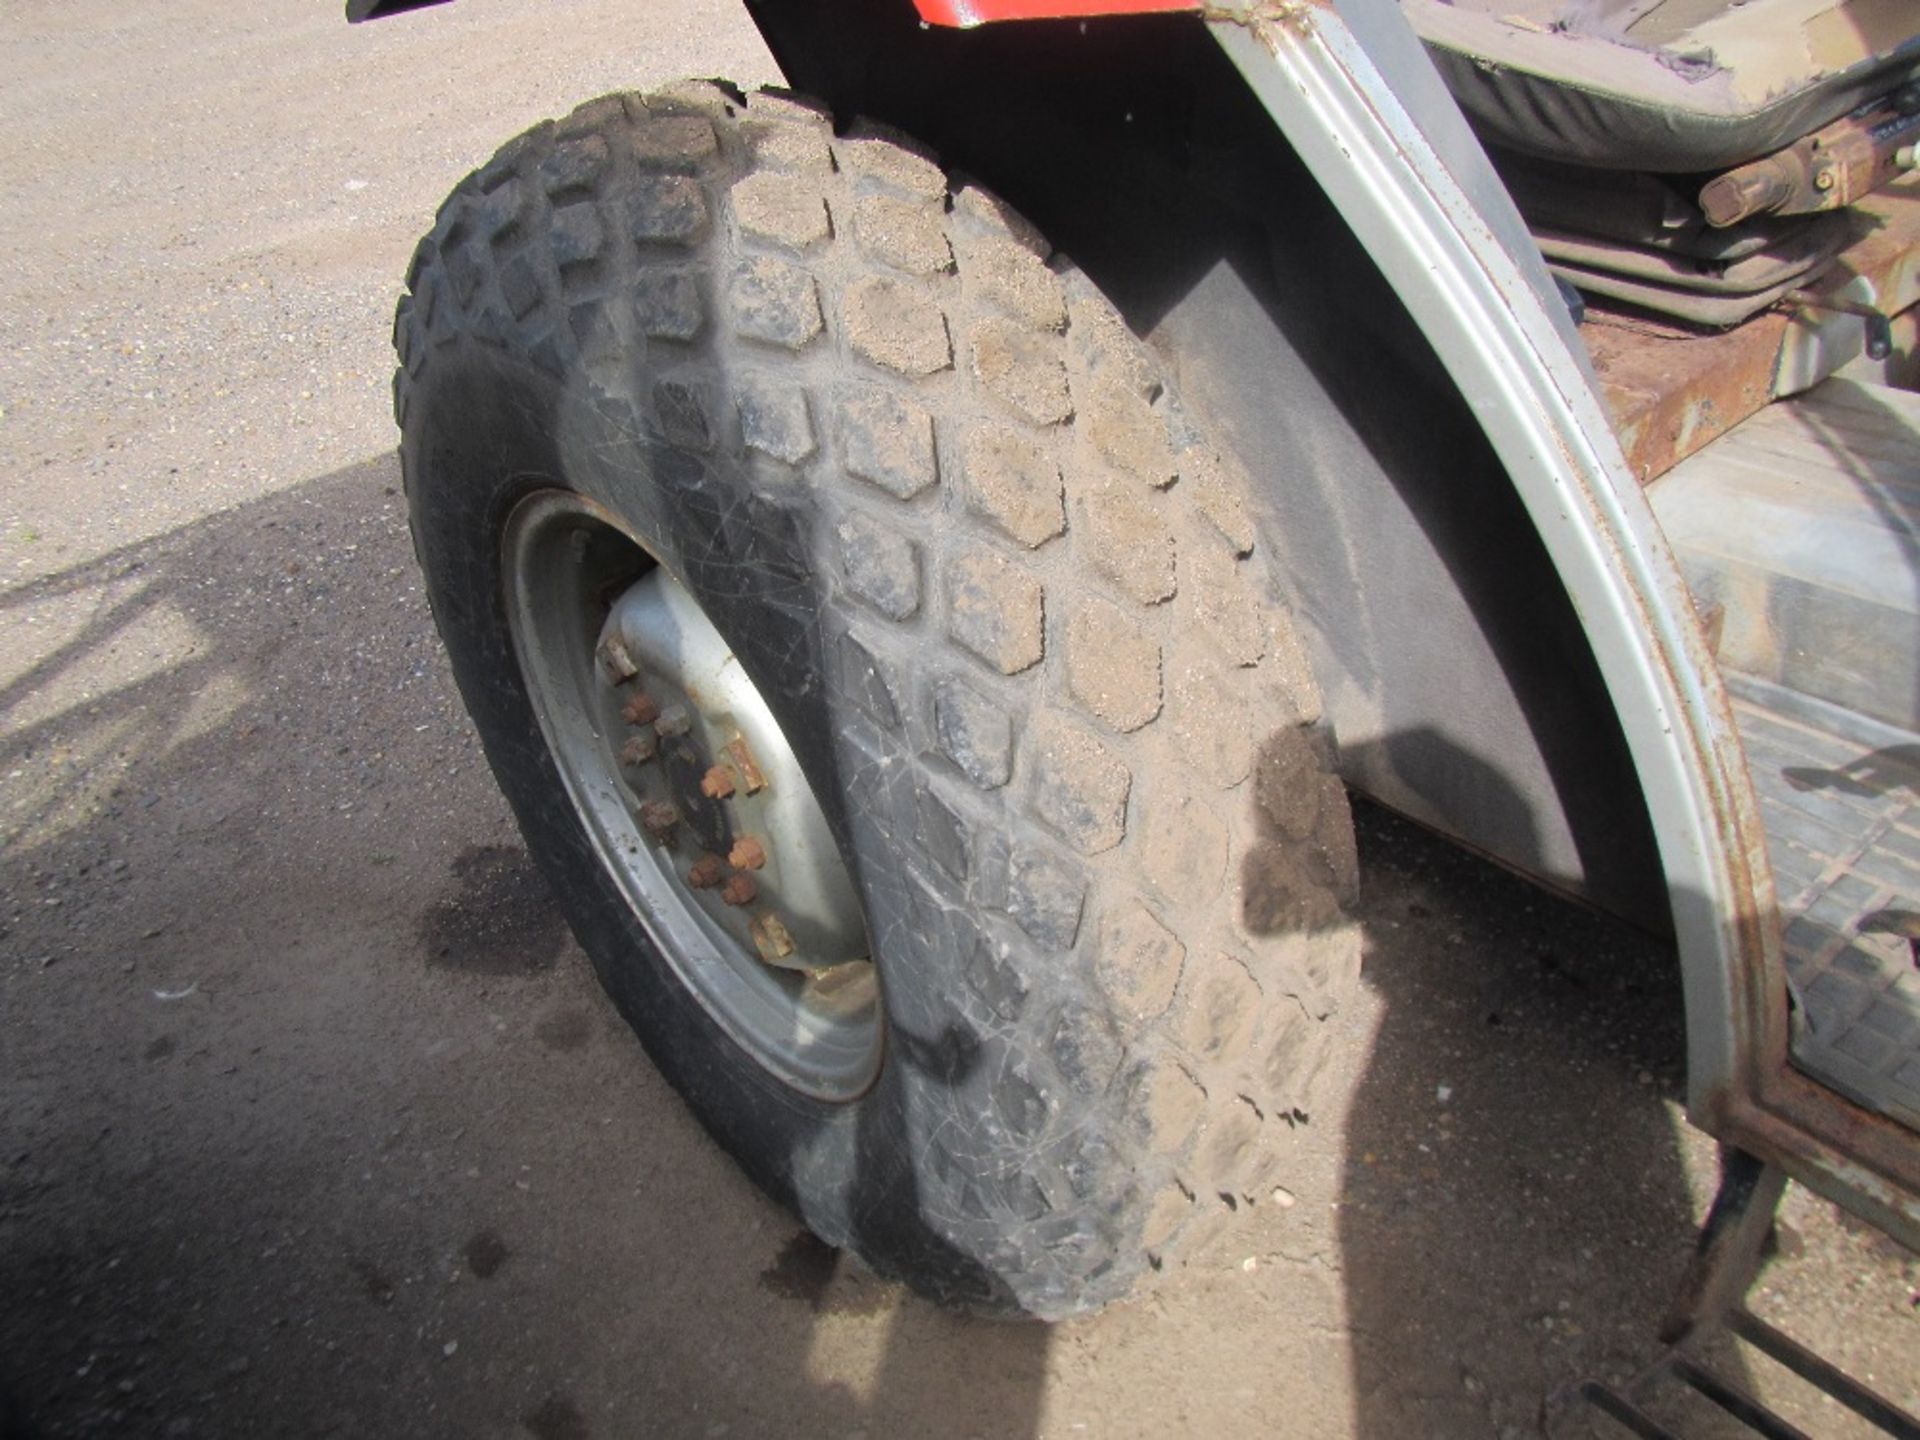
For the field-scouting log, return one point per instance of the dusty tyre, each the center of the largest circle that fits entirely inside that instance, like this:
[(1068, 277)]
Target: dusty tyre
[(1006, 618)]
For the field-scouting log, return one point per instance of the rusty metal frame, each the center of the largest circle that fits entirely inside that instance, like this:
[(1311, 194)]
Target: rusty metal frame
[(1674, 391), (1351, 88)]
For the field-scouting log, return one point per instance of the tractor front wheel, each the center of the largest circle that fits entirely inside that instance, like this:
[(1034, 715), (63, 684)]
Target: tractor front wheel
[(886, 673)]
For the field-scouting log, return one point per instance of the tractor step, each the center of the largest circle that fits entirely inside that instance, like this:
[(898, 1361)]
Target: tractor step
[(1797, 532), (1712, 1303)]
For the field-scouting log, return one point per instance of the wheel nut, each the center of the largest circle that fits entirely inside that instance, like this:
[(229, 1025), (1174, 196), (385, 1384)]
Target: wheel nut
[(739, 890), (674, 720), (640, 748), (717, 783), (657, 818), (747, 854), (640, 710), (751, 778), (616, 660), (771, 938), (706, 872)]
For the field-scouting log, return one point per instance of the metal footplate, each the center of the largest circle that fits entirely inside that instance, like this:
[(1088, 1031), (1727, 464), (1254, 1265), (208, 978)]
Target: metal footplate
[(1842, 810), (1712, 1301), (1796, 531)]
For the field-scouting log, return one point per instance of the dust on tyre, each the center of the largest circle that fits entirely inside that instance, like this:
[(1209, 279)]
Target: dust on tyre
[(1005, 603)]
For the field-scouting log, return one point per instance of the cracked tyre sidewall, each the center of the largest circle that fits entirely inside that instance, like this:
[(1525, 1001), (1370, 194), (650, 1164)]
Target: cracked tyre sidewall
[(1010, 611)]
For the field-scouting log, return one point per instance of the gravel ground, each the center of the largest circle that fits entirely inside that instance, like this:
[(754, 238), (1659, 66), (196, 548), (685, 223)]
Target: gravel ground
[(312, 1121)]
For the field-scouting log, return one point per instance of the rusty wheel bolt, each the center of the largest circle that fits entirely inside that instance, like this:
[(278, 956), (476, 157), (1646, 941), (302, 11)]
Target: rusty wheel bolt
[(747, 853), (739, 890), (640, 710), (616, 660), (639, 748), (658, 817), (717, 783), (706, 872), (751, 778), (772, 938), (673, 721)]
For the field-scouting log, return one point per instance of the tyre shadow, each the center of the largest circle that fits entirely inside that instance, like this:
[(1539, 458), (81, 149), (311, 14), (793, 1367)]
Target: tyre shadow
[(1505, 1236), (312, 1119)]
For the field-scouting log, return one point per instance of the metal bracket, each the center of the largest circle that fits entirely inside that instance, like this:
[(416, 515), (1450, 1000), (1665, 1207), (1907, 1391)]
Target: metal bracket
[(1879, 328)]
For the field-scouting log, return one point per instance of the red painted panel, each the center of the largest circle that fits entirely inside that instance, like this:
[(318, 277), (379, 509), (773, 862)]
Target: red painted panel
[(964, 13)]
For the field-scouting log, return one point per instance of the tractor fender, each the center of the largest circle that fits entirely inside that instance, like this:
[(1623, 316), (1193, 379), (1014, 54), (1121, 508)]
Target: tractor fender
[(1352, 89)]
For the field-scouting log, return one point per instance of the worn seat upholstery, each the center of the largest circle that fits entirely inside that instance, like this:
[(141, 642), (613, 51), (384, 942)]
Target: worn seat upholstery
[(1669, 86)]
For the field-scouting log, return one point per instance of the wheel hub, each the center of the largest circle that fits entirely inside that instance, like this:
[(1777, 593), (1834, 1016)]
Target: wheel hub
[(719, 760), (694, 801)]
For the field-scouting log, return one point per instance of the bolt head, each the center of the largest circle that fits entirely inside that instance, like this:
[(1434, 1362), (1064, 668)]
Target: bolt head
[(717, 783), (673, 721), (640, 710), (752, 779), (658, 817), (706, 872), (747, 853), (772, 938), (640, 748), (739, 890), (616, 661)]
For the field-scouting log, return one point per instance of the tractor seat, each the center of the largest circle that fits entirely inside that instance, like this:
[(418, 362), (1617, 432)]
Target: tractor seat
[(1667, 86)]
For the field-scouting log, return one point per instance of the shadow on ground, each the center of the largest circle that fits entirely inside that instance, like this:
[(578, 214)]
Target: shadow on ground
[(1506, 1142), (314, 1121)]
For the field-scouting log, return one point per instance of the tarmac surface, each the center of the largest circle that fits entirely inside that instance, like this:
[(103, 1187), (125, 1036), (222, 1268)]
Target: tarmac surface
[(312, 1119)]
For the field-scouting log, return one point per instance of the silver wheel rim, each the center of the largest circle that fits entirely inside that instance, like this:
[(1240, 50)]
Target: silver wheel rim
[(672, 759)]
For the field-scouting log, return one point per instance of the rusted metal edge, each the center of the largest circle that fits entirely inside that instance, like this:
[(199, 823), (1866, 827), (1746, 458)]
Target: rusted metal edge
[(1863, 1162)]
